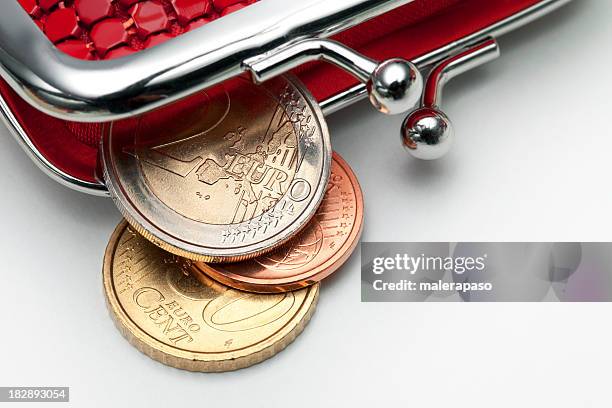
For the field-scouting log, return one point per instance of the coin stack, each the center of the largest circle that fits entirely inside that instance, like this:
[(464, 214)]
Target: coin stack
[(235, 209)]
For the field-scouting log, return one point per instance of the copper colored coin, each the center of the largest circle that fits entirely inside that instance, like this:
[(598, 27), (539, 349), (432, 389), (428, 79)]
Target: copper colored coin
[(316, 252)]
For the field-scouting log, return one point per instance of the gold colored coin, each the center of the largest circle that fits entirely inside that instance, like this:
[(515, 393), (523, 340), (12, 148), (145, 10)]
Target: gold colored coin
[(196, 325)]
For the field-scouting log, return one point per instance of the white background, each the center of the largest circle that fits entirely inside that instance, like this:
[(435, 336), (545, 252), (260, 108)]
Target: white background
[(531, 162)]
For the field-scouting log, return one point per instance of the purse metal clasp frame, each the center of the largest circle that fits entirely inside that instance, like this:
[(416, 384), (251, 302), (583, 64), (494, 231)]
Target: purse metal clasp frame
[(267, 38)]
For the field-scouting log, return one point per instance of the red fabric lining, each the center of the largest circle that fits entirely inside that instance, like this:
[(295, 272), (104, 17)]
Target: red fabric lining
[(409, 31), (54, 138)]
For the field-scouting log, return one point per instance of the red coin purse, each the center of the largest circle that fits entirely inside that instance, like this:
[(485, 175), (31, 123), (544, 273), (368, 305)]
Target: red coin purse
[(221, 37)]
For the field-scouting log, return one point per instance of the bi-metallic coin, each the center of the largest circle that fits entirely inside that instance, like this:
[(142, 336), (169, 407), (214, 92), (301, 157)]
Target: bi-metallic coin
[(226, 175)]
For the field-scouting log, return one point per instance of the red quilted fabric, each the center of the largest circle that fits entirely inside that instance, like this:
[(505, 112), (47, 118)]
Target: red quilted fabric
[(106, 29)]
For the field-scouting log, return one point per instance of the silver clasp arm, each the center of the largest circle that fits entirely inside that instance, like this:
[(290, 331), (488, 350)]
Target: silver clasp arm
[(480, 54), (266, 67), (394, 85), (427, 133)]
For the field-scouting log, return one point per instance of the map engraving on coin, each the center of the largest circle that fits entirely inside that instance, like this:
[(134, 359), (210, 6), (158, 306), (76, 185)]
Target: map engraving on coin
[(229, 174), (190, 323), (315, 253)]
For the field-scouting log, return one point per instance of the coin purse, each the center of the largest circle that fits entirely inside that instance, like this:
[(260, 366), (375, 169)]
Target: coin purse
[(71, 67)]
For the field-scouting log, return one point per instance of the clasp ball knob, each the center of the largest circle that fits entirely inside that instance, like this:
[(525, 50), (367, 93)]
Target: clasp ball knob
[(395, 86), (427, 134)]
